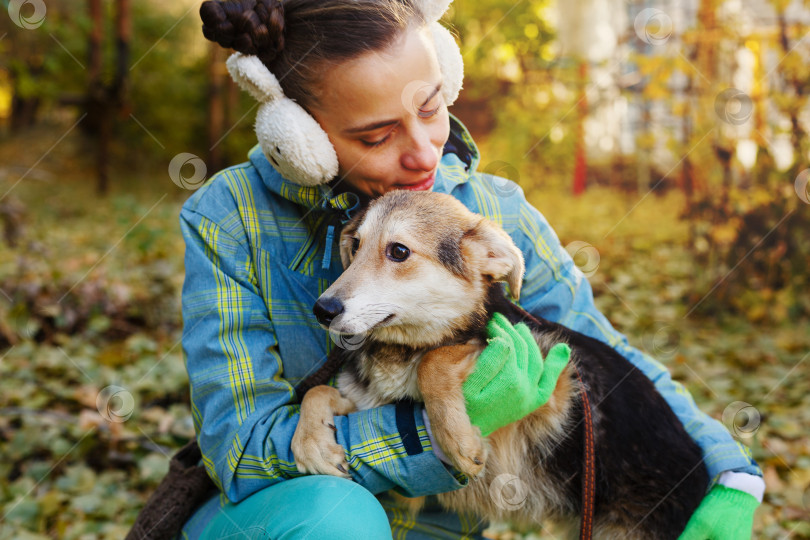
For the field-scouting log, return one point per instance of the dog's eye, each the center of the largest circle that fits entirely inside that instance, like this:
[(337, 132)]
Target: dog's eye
[(355, 245), (397, 252)]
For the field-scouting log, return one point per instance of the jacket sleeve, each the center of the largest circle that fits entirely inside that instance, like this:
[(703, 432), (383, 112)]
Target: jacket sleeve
[(554, 288), (245, 412)]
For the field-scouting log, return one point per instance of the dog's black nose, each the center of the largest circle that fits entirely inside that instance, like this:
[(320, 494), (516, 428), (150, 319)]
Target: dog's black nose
[(326, 309)]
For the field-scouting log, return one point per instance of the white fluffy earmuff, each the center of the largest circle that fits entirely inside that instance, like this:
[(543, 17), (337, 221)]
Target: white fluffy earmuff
[(450, 62), (291, 139)]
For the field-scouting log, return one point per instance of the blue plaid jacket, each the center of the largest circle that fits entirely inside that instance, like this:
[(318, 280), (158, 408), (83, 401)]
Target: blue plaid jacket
[(259, 252)]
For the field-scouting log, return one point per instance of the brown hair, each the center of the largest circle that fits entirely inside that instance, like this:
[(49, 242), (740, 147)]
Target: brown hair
[(298, 39)]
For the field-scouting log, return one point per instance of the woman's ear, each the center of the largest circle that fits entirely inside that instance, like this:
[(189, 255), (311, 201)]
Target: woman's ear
[(498, 256)]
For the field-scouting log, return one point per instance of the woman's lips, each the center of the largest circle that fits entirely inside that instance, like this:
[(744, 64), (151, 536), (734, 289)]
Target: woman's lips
[(421, 185)]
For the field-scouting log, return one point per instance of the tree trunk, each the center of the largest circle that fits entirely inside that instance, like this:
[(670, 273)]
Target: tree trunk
[(643, 178), (23, 112), (797, 133), (216, 105), (687, 171), (94, 48), (708, 41), (123, 34), (98, 118)]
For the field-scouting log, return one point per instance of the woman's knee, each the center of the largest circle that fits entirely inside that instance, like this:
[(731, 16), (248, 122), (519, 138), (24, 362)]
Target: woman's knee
[(336, 508), (312, 507)]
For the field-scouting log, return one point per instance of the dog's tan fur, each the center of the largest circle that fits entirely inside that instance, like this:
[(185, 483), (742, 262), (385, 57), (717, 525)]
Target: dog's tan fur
[(312, 449)]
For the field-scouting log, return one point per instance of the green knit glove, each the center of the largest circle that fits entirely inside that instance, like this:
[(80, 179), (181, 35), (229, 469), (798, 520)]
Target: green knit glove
[(511, 379), (724, 514)]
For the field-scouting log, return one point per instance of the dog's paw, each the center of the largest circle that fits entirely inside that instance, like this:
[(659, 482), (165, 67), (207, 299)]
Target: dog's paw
[(316, 451), (468, 453)]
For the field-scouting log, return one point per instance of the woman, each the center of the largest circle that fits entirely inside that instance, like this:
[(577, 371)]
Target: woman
[(354, 104)]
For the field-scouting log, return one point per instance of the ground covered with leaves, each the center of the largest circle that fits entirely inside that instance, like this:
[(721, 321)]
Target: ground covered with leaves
[(94, 390)]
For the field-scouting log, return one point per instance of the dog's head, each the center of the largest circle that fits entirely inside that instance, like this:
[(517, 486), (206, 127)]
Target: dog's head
[(419, 266)]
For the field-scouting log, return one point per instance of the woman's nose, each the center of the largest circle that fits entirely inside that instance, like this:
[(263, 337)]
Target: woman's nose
[(420, 154)]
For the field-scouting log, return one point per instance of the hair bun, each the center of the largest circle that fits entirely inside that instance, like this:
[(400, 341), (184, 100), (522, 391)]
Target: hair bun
[(249, 26)]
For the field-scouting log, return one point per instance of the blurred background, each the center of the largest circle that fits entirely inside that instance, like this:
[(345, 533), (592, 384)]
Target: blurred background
[(665, 141)]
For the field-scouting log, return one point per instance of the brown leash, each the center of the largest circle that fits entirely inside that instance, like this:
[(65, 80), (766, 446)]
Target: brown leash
[(332, 365), (588, 466)]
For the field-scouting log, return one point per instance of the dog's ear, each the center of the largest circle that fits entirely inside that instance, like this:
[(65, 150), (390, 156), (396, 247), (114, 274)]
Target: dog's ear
[(500, 257), (347, 236)]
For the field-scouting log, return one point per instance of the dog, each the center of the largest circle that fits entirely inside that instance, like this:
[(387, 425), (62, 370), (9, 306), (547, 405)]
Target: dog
[(423, 276)]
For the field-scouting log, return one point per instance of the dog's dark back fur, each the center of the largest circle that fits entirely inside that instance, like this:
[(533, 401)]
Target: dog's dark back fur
[(650, 473)]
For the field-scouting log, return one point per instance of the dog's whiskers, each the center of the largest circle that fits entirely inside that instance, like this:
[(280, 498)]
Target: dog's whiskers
[(373, 314)]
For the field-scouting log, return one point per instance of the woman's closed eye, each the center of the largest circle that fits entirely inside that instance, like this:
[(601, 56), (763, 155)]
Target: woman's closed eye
[(426, 111), (379, 136), (431, 107), (378, 142), (422, 113)]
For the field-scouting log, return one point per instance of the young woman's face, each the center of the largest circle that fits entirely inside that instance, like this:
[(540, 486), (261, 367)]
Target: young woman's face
[(386, 117)]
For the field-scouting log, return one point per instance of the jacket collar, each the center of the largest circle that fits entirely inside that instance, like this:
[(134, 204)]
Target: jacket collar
[(461, 144), (460, 159)]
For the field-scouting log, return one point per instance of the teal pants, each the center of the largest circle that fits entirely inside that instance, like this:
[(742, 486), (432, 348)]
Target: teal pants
[(321, 508)]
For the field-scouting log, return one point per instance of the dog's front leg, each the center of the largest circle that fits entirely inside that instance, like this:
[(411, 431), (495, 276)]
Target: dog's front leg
[(441, 374), (313, 444)]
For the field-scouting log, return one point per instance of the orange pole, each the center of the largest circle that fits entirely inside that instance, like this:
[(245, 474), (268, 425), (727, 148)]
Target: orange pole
[(580, 160)]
